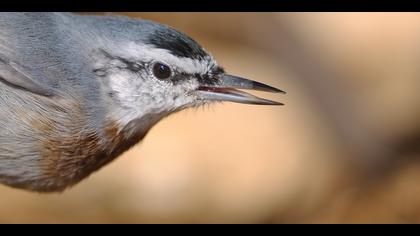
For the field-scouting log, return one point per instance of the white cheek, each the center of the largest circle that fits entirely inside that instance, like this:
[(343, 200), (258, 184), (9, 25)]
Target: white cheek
[(127, 97), (150, 97), (119, 83)]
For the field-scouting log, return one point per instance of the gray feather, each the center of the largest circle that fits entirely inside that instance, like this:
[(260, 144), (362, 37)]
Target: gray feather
[(92, 74), (21, 77)]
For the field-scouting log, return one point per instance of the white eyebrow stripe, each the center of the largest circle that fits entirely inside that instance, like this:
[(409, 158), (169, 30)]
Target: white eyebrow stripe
[(148, 53)]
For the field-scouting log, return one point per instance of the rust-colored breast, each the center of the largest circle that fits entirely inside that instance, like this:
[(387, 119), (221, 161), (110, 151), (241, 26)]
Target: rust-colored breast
[(66, 160), (68, 151)]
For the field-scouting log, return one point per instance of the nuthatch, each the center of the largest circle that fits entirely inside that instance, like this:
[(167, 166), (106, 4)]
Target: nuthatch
[(77, 91)]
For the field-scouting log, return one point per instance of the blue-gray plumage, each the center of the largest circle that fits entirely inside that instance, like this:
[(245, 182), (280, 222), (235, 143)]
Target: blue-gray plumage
[(77, 91)]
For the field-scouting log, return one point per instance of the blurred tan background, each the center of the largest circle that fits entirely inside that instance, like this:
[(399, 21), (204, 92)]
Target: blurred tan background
[(344, 149)]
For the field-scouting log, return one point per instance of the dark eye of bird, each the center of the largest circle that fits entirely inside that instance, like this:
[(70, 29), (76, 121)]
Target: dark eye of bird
[(161, 71)]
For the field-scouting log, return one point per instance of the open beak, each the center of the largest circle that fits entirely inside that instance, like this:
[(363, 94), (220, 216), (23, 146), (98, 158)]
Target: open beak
[(227, 90)]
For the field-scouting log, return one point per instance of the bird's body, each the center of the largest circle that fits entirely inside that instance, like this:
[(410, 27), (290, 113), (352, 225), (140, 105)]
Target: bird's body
[(50, 142), (77, 91)]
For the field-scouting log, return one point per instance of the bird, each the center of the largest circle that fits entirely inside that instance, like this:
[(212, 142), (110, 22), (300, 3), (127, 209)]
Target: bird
[(78, 90)]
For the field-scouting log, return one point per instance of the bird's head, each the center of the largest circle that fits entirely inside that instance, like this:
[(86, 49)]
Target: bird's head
[(161, 70)]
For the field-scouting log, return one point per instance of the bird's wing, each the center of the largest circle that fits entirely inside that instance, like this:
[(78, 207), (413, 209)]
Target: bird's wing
[(21, 77)]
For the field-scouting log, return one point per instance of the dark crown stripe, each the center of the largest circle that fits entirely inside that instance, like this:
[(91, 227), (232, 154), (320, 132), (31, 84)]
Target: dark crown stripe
[(177, 43)]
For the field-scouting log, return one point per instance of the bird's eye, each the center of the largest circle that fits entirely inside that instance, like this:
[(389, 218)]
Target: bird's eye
[(161, 71)]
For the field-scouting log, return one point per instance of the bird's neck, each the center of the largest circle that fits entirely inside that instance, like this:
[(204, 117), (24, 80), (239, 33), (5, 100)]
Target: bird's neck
[(69, 157)]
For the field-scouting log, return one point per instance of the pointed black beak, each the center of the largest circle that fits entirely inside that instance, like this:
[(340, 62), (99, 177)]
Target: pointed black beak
[(226, 89)]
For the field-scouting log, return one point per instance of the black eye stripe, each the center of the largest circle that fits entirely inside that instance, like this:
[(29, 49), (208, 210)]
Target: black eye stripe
[(206, 79), (165, 72), (130, 65), (134, 66)]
